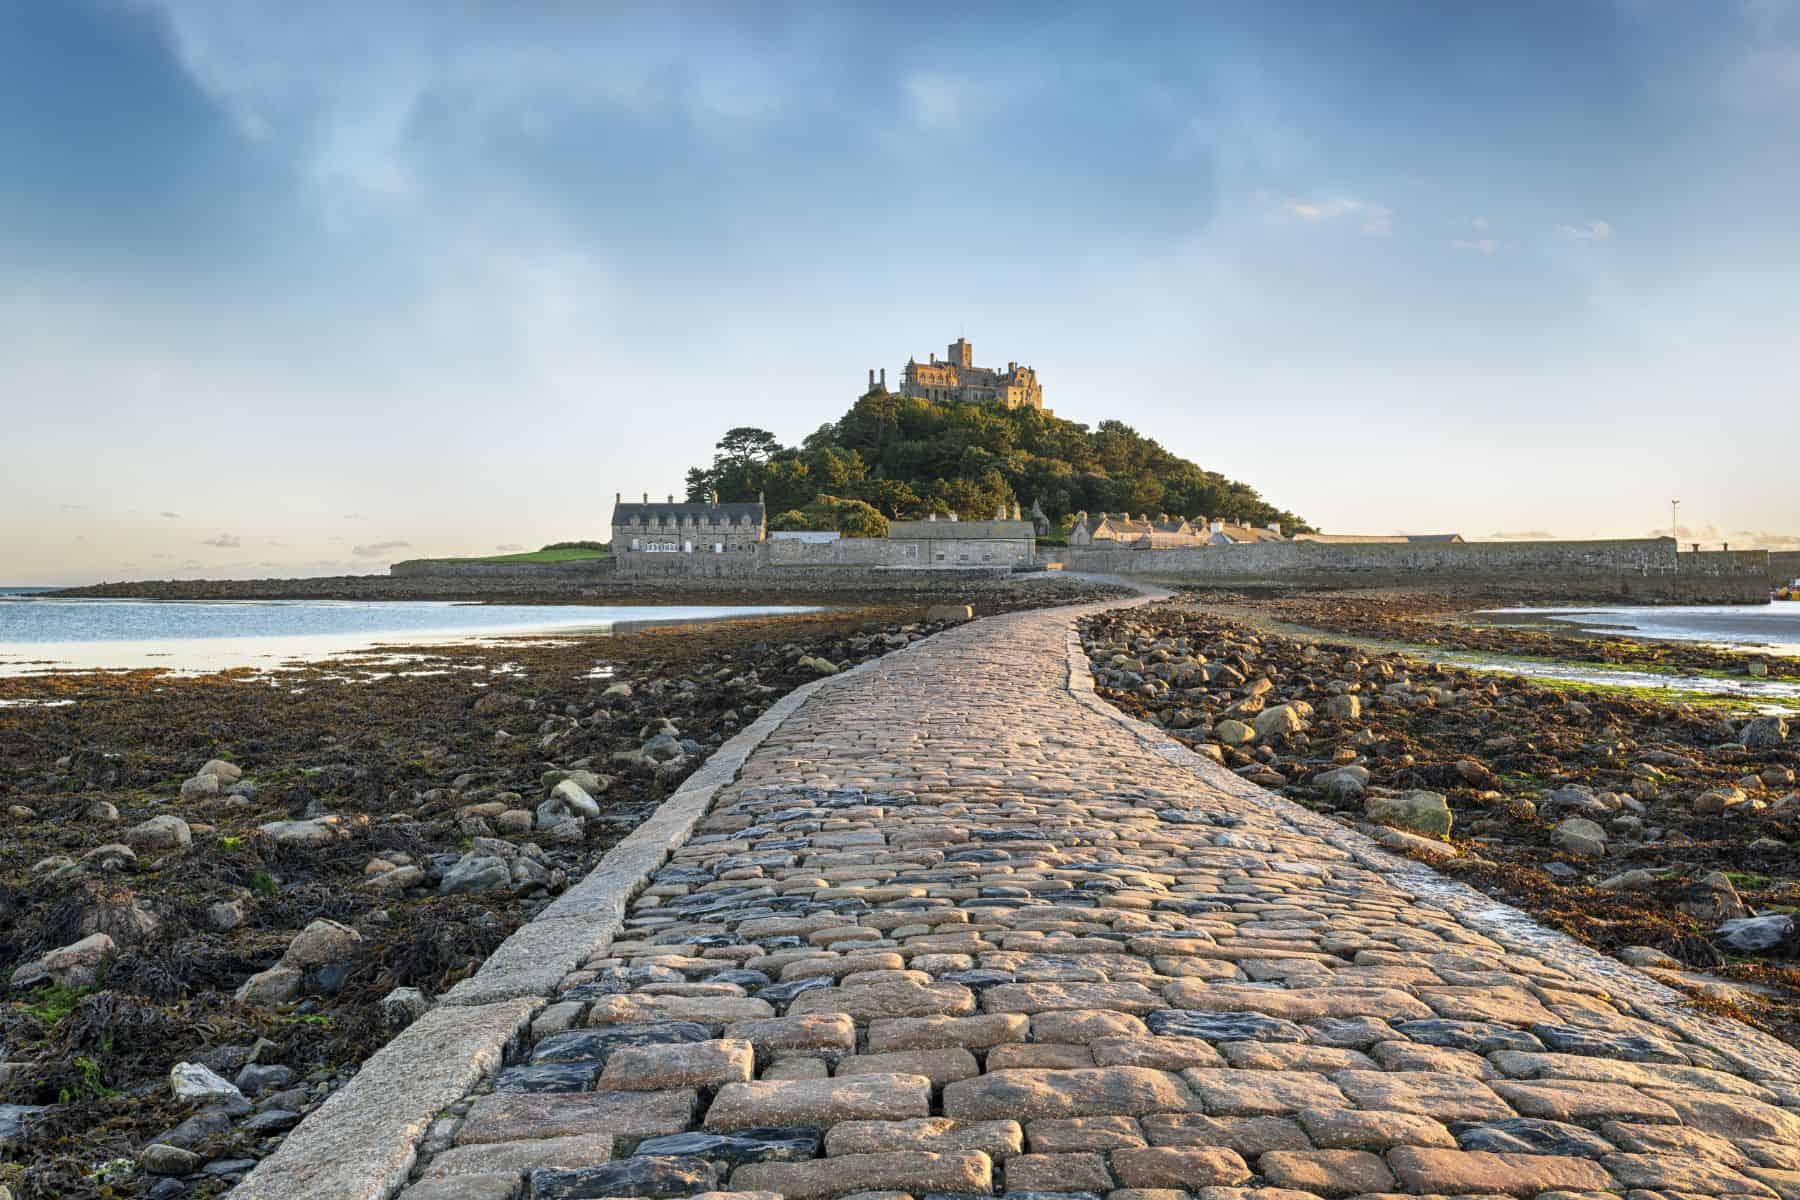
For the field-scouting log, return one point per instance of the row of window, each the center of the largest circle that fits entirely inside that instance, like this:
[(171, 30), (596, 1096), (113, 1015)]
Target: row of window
[(683, 547)]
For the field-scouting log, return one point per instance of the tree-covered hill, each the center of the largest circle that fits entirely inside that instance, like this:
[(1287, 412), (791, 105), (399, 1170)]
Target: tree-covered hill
[(906, 457)]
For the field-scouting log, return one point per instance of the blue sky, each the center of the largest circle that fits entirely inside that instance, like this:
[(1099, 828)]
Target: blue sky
[(305, 288)]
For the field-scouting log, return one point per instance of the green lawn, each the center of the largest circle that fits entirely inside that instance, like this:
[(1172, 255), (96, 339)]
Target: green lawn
[(542, 556)]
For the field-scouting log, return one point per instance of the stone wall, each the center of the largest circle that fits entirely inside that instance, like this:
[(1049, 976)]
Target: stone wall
[(1645, 570), (580, 568), (1784, 566), (779, 556)]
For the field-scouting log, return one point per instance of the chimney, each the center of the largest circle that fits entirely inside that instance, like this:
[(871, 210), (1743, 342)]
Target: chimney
[(618, 497), (884, 379), (671, 497), (932, 515), (1218, 526), (953, 517), (646, 497), (871, 379)]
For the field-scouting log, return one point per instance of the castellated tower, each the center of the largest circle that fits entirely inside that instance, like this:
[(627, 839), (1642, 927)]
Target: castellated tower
[(956, 379)]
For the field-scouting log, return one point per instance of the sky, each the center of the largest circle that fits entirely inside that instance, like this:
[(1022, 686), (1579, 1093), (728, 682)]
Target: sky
[(304, 289)]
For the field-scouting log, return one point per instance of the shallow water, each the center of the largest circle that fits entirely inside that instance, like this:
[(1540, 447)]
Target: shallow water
[(41, 633), (1774, 626)]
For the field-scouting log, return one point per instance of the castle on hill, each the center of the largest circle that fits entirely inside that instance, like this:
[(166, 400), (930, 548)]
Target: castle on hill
[(957, 380)]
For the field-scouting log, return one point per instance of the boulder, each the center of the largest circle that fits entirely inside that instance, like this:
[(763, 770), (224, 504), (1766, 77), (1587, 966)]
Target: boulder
[(114, 856), (818, 666), (1418, 811), (313, 833), (1231, 732), (194, 1082), (201, 787), (1756, 935), (1712, 898), (277, 985), (1343, 708), (321, 942), (1714, 801), (567, 799), (76, 965), (227, 773), (1580, 837), (1765, 733), (160, 833), (404, 1005), (950, 612), (1342, 783), (475, 873), (160, 1158), (1283, 718)]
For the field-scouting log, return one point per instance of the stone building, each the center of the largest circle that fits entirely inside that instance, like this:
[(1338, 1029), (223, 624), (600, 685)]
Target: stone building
[(950, 542), (707, 527), (1145, 532), (957, 380), (1164, 532)]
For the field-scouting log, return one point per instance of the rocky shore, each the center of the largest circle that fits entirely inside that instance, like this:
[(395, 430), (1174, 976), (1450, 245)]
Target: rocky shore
[(1457, 622), (219, 895), (1664, 834), (526, 586)]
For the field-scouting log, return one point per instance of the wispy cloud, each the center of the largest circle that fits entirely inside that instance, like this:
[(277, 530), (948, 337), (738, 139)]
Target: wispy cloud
[(225, 541), (377, 549), (355, 516), (171, 516), (1478, 245), (509, 548), (73, 507), (1375, 219), (1528, 535), (1593, 231)]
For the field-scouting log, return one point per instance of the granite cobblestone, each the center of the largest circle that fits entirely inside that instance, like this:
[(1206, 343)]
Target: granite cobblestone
[(958, 929)]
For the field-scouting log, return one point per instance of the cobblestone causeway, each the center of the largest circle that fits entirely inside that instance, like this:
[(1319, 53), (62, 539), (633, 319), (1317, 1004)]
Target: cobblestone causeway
[(958, 928)]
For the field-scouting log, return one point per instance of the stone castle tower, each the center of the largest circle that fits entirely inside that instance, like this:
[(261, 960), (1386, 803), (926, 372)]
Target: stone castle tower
[(957, 380)]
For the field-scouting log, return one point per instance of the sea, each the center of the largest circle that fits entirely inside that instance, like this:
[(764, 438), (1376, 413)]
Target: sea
[(40, 633), (1773, 627)]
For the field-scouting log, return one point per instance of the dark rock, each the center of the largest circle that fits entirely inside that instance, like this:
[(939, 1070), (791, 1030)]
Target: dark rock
[(549, 1077), (638, 1176), (1571, 1039), (781, 993), (1223, 1026), (257, 1078), (1528, 1135), (596, 1045), (272, 1120), (1478, 1036), (196, 1129), (784, 1143)]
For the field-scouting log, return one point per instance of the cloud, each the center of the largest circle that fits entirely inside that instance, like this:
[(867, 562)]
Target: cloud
[(1762, 539), (1593, 231), (172, 516), (225, 541), (377, 549), (1479, 245), (1478, 223), (354, 517), (1377, 219), (1529, 535), (509, 548), (73, 507)]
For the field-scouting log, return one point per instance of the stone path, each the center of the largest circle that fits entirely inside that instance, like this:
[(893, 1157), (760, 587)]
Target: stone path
[(959, 928)]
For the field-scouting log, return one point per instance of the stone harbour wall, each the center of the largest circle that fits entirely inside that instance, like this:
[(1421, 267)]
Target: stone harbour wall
[(1646, 570), (452, 569), (1784, 566)]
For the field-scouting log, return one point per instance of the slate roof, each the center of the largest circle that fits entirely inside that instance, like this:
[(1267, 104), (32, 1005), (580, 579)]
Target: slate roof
[(631, 514)]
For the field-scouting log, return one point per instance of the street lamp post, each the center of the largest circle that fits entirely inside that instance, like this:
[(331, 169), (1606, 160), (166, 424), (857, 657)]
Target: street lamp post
[(1675, 520)]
